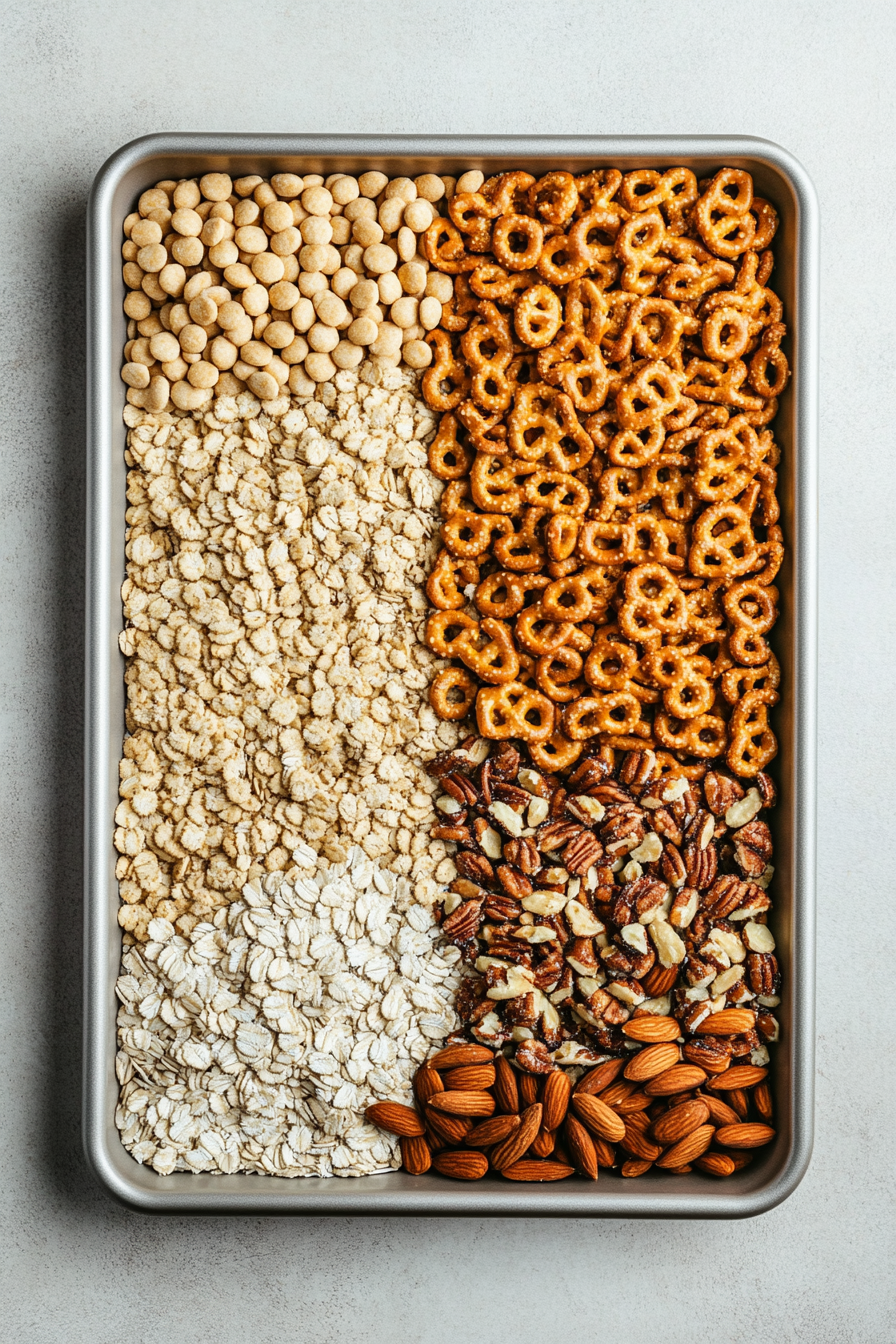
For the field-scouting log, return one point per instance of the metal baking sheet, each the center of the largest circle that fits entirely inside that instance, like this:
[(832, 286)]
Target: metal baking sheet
[(775, 1174)]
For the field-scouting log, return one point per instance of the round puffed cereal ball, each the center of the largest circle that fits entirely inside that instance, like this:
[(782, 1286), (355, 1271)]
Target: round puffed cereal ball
[(363, 331), (264, 195), (175, 369), (257, 354), (286, 242), (187, 251), (192, 339), (251, 238), (132, 219), (222, 353), (145, 232), (277, 216), (220, 294), (378, 259), (216, 186), (344, 190), (244, 186), (313, 257), (352, 257), (300, 385), (417, 354), (157, 394), (330, 309), (439, 286), (401, 187), (418, 215), (283, 296), (264, 386), (216, 231), (196, 284), (429, 187), (288, 185), (152, 258), (267, 267), (186, 196), (388, 341), (346, 355), (279, 368), (342, 230), (370, 184), (364, 294), (389, 287), (164, 346), (153, 199), (406, 241), (470, 181), (204, 310), (188, 398), (429, 313), (319, 367), (255, 300), (246, 213), (239, 276), (390, 213), (343, 282), (202, 374), (229, 314), (136, 375), (132, 275), (178, 317), (150, 285), (172, 279), (323, 338), (360, 209), (404, 311), (317, 200), (316, 229), (303, 315), (224, 254), (187, 223), (278, 334), (295, 352), (412, 277), (242, 332), (137, 305), (367, 232), (414, 333)]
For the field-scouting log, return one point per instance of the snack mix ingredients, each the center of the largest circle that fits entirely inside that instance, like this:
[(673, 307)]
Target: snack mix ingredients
[(484, 890)]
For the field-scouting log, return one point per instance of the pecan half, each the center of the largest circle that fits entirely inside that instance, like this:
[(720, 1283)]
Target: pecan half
[(553, 835), (463, 922), (701, 865), (665, 825), (533, 1057), (506, 762), (522, 854), (460, 788), (582, 853), (762, 972), (515, 883), (502, 907), (720, 791), (673, 865), (638, 768), (475, 866), (460, 835), (510, 793), (725, 895), (589, 773), (767, 791)]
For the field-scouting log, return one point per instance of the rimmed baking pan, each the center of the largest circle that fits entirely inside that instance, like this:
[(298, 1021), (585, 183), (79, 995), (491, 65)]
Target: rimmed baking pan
[(775, 1174)]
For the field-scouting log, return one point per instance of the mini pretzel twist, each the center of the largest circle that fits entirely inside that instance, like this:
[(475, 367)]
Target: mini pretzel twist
[(722, 214), (558, 674), (554, 197), (443, 587), (517, 242), (616, 712), (443, 247), (538, 316), (452, 693), (446, 382), (753, 744), (652, 393), (514, 710), (515, 589), (495, 660), (637, 244), (654, 605), (727, 460), (448, 458), (723, 545), (687, 690), (770, 356), (469, 534), (705, 736)]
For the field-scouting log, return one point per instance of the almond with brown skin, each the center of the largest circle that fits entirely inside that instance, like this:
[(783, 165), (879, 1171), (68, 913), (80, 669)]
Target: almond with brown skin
[(512, 1149), (581, 1147), (596, 1079), (426, 1084), (529, 1170), (470, 1078), (694, 1145), (744, 1136), (606, 1153), (719, 1111), (543, 1143), (680, 1121), (680, 1078), (739, 1075), (597, 1116), (528, 1085), (738, 1101), (453, 1056), (463, 1103), (660, 980), (715, 1164), (496, 1130), (762, 1099), (651, 1061), (617, 1092), (555, 1098), (729, 1022), (451, 1128), (395, 1118), (636, 1142), (710, 1055), (416, 1157), (635, 1166), (461, 1164), (650, 1028), (635, 1101)]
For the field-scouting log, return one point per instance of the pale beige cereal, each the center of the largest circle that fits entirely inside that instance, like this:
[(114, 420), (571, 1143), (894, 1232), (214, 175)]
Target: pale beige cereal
[(370, 183), (470, 181), (216, 186)]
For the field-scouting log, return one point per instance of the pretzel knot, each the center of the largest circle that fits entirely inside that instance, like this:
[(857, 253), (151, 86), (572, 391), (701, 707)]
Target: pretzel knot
[(612, 665), (737, 681), (543, 425), (564, 258), (557, 491), (490, 281), (689, 281), (514, 710), (452, 693), (753, 744), (574, 363), (567, 599), (468, 534), (538, 634), (726, 333), (616, 712), (561, 535), (554, 197), (558, 674), (651, 394), (654, 605), (446, 381), (442, 586), (448, 459), (509, 192), (443, 247), (705, 736), (517, 241), (674, 192), (556, 752), (522, 551), (504, 593), (446, 631), (494, 661), (722, 544), (722, 214), (472, 214), (496, 483), (770, 356), (727, 460), (538, 316), (750, 606), (488, 348), (631, 448), (488, 433), (684, 679), (587, 309), (637, 244)]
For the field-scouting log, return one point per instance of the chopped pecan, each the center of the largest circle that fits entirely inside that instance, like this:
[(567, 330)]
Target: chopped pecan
[(725, 894), (701, 865), (470, 994), (763, 973), (460, 835), (699, 973), (558, 804), (520, 1012), (744, 1043), (549, 971), (638, 768), (645, 894), (710, 1052), (475, 866), (767, 1026), (510, 793), (618, 960), (756, 836), (533, 1057), (553, 835), (673, 865), (460, 788), (511, 949), (523, 854), (500, 906), (665, 825), (609, 794), (463, 921), (445, 763), (767, 791), (720, 791), (485, 782), (462, 886), (748, 861), (616, 1012), (515, 883), (588, 774), (583, 853), (621, 906), (505, 762), (580, 955)]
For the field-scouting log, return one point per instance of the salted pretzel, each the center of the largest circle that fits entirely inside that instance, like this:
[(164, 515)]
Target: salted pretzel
[(559, 674), (452, 693), (487, 431), (689, 281), (726, 461), (446, 629), (575, 364), (538, 634), (653, 393), (514, 710), (653, 607), (750, 607), (555, 752), (737, 681), (615, 712), (521, 549), (705, 736), (538, 316), (708, 381), (770, 357), (723, 545), (557, 491), (684, 679), (469, 534), (459, 310), (443, 247), (564, 257), (568, 599), (446, 381), (504, 593), (472, 215), (448, 457), (447, 580), (674, 192), (487, 346), (517, 242), (638, 245), (722, 214), (753, 744), (509, 192), (613, 665), (488, 651), (493, 282), (497, 483)]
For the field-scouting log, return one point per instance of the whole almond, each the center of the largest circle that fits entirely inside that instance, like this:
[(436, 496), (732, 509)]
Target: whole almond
[(463, 1103), (762, 1098), (496, 1130), (470, 1078), (713, 1061), (738, 1101), (395, 1118), (451, 1128), (738, 1076), (528, 1085), (435, 1141), (635, 1101), (529, 1170), (635, 1166), (555, 1099), (453, 1056), (652, 1060), (744, 1136), (543, 1143), (693, 1145), (729, 1022), (636, 1142), (426, 1084), (606, 1153), (581, 1147), (680, 1078), (601, 1076), (416, 1157), (512, 1149), (715, 1164), (652, 1028), (463, 1164), (719, 1111), (597, 1116), (680, 1121), (741, 1159), (506, 1092), (660, 980), (616, 1092)]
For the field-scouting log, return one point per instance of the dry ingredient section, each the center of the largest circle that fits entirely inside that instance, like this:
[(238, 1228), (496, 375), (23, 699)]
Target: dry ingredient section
[(452, 492)]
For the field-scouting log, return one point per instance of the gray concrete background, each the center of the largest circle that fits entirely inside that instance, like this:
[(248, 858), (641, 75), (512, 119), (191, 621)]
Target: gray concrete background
[(80, 79)]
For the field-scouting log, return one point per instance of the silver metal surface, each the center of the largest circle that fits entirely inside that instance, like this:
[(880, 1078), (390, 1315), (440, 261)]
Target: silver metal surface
[(777, 1171)]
